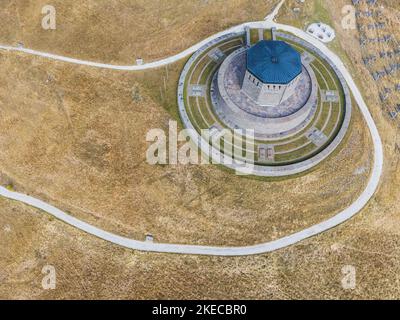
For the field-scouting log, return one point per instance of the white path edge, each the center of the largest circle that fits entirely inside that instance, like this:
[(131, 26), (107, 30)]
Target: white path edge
[(146, 66), (340, 218)]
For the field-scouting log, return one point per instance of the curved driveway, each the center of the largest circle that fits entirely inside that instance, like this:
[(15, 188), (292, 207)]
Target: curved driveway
[(343, 216)]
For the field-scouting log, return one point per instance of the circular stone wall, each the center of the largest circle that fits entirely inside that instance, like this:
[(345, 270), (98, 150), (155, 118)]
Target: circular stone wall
[(301, 148)]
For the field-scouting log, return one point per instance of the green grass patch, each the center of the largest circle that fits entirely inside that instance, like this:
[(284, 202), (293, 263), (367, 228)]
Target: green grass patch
[(319, 68), (234, 43), (208, 71), (267, 34), (205, 111), (292, 145), (195, 116), (197, 72), (296, 155), (321, 13), (324, 117), (254, 38), (333, 120)]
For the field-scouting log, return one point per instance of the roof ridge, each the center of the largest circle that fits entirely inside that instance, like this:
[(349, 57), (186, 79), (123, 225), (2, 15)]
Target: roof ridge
[(274, 62)]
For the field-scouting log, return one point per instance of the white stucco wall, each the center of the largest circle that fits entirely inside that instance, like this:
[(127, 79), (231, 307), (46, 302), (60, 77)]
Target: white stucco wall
[(269, 95)]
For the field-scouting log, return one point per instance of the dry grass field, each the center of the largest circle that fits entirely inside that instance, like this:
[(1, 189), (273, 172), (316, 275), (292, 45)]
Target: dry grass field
[(75, 136), (119, 31), (81, 146)]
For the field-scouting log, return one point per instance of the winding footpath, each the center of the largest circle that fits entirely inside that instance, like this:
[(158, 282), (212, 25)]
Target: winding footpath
[(340, 218), (145, 66)]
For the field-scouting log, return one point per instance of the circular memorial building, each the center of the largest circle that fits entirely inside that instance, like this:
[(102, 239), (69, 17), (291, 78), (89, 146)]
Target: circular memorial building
[(273, 71), (282, 89)]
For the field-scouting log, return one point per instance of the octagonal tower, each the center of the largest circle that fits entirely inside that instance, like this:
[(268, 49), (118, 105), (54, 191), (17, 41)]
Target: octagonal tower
[(272, 73)]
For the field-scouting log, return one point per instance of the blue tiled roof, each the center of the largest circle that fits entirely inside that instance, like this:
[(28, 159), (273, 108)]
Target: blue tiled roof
[(274, 62)]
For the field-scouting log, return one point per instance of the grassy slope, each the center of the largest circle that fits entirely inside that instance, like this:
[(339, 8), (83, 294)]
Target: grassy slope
[(308, 270)]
